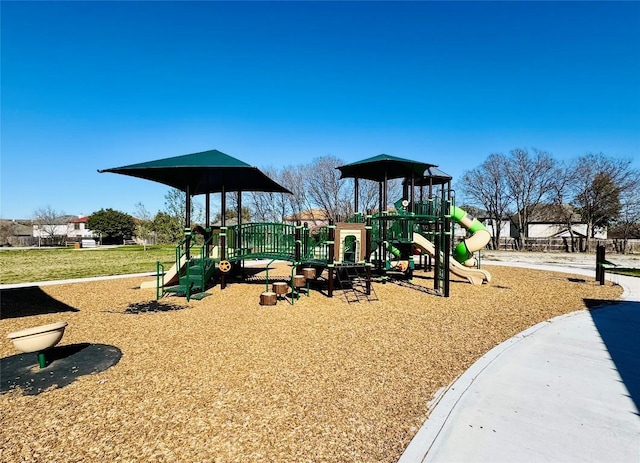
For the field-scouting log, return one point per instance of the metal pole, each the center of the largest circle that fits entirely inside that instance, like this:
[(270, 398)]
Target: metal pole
[(413, 185), (298, 244), (207, 221), (223, 235), (238, 237), (384, 211), (187, 222), (356, 188), (447, 239), (380, 226), (332, 256)]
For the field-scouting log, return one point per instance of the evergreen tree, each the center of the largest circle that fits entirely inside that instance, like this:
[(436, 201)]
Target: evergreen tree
[(114, 226)]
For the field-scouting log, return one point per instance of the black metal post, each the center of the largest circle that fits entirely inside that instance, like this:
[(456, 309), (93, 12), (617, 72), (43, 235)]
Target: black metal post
[(207, 222), (298, 244), (356, 188), (223, 235), (187, 222), (331, 265), (600, 264), (446, 206)]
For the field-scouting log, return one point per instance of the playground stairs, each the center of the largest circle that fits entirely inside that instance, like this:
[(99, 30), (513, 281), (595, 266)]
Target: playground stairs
[(352, 280), (193, 279)]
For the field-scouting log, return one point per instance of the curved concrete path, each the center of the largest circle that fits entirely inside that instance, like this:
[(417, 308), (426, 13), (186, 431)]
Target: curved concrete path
[(564, 390), (73, 280)]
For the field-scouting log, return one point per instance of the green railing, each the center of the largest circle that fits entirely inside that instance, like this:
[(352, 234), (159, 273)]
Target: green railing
[(159, 280), (254, 240), (316, 247), (202, 262), (358, 217), (428, 207), (276, 241), (397, 227)]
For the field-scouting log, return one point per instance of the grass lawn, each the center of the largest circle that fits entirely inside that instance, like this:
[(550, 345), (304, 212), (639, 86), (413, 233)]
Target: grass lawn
[(27, 265), (632, 272)]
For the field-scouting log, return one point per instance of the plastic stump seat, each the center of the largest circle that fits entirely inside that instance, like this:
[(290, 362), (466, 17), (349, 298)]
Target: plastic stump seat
[(309, 273), (280, 288), (268, 298), (299, 281)]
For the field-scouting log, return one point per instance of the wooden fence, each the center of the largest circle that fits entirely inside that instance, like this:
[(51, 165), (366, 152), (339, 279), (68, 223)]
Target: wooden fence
[(564, 245)]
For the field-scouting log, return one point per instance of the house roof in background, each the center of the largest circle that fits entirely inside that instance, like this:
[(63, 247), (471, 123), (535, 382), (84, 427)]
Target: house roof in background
[(18, 228), (554, 213), (309, 214)]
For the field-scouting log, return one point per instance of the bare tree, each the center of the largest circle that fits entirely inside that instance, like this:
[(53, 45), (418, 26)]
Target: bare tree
[(529, 178), (317, 186), (294, 178), (175, 204), (279, 201), (325, 188), (144, 224), (627, 225), (50, 224), (232, 208), (562, 190), (394, 189), (270, 206), (599, 203), (261, 205), (602, 181), (486, 186), (368, 193), (7, 230)]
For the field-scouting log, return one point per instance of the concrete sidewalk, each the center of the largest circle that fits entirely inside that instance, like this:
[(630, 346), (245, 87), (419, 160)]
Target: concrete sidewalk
[(564, 390), (74, 280)]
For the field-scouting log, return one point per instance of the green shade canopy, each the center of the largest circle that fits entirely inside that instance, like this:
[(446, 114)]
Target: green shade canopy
[(431, 176), (199, 173), (384, 166)]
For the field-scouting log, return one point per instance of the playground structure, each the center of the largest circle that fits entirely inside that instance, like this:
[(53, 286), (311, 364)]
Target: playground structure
[(345, 255), (224, 250)]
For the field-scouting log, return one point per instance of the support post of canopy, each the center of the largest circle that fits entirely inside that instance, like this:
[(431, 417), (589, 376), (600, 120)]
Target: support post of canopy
[(223, 235), (356, 188), (187, 222)]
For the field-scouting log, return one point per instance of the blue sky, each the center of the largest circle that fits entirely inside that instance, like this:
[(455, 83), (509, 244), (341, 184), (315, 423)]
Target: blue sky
[(93, 85)]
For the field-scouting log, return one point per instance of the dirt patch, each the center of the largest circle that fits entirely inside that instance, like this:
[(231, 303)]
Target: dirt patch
[(225, 379)]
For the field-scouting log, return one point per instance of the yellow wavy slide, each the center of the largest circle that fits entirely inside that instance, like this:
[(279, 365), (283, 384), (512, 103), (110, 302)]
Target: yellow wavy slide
[(472, 275)]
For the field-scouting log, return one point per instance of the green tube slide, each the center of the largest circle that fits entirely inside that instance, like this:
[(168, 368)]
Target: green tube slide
[(393, 250), (463, 251)]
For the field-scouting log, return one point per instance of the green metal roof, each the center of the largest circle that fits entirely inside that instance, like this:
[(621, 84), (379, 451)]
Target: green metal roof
[(204, 172), (211, 158), (383, 166), (432, 176)]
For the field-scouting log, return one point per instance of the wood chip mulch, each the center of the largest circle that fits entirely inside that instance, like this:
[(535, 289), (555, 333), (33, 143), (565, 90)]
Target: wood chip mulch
[(224, 379)]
